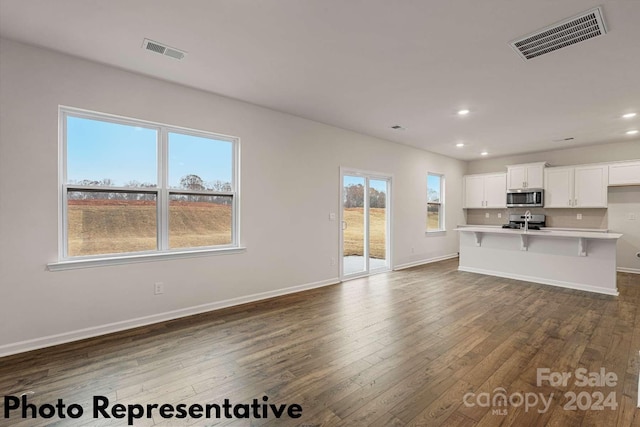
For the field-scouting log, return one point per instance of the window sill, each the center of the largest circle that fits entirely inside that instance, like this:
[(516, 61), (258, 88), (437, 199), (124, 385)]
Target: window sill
[(131, 259), (435, 232)]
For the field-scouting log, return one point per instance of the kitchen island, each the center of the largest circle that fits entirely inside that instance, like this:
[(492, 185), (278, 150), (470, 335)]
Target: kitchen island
[(584, 260)]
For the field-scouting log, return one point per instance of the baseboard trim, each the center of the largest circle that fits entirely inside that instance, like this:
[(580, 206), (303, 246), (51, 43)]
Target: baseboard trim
[(628, 270), (543, 281), (80, 334), (424, 261)]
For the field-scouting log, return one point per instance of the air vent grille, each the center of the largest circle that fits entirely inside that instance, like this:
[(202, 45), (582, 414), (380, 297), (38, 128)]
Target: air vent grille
[(573, 30), (174, 53), (154, 47), (163, 49)]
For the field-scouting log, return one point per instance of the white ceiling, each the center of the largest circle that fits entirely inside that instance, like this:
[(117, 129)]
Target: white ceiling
[(366, 65)]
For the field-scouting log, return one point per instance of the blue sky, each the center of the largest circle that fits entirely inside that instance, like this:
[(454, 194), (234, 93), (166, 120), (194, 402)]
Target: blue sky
[(98, 150), (373, 183), (433, 186)]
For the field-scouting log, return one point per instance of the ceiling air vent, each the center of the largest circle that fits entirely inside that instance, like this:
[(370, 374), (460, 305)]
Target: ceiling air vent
[(584, 26), (163, 49)]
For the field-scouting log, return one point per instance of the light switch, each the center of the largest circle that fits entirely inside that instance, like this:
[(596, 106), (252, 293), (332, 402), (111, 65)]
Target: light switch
[(632, 216), (499, 214), (486, 214), (332, 216)]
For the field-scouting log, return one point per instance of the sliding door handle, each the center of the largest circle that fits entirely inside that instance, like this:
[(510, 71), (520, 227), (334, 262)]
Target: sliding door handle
[(344, 225)]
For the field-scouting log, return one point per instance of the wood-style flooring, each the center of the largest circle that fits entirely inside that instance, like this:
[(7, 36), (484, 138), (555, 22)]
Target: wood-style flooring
[(399, 348)]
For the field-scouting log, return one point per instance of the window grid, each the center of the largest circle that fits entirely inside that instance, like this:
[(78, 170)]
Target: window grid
[(161, 191)]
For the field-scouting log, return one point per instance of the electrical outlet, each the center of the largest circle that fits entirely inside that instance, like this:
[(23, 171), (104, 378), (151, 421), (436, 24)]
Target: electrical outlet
[(578, 216), (499, 214), (158, 288), (486, 214), (332, 261), (632, 216), (332, 216), (413, 250)]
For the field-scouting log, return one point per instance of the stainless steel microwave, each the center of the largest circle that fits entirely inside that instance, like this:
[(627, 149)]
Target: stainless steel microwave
[(528, 197)]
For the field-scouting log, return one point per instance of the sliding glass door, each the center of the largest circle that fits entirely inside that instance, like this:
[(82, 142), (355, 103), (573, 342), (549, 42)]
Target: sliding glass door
[(365, 223)]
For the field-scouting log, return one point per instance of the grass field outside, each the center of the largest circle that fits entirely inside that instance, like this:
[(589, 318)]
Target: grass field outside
[(433, 221), (100, 227), (353, 234)]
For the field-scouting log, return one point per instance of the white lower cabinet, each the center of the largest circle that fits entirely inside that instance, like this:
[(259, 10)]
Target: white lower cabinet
[(576, 187)]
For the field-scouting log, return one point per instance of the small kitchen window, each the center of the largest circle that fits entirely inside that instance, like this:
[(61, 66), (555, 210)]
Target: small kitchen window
[(435, 203)]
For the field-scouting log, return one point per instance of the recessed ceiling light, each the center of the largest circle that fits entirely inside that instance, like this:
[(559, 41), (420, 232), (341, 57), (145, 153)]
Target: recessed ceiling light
[(628, 115), (632, 132), (484, 153), (463, 112), (459, 144)]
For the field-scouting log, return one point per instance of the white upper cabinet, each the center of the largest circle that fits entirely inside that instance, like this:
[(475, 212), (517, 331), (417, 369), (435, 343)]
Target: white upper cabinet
[(529, 175), (624, 173), (576, 187), (484, 191), (474, 191), (591, 186), (558, 190), (516, 177), (495, 190)]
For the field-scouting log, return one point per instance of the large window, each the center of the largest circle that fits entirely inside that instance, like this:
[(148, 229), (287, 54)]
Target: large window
[(132, 187), (435, 202)]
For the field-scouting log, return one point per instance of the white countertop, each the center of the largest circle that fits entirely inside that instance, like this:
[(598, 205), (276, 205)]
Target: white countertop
[(544, 232), (590, 230)]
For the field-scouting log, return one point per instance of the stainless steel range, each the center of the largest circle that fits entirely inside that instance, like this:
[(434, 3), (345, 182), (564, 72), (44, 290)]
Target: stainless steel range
[(517, 221)]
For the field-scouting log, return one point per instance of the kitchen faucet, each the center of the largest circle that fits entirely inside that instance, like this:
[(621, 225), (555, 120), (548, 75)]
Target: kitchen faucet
[(527, 218)]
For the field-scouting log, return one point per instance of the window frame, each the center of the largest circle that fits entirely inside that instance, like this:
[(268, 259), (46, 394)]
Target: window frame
[(162, 192), (441, 204)]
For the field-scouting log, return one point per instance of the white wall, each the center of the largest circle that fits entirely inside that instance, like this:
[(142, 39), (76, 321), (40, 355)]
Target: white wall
[(625, 150), (621, 200), (290, 183)]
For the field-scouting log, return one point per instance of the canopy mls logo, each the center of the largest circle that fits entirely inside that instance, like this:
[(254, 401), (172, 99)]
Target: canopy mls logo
[(593, 397), (499, 401)]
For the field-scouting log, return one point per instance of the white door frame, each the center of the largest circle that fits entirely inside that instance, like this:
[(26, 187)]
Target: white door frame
[(388, 251)]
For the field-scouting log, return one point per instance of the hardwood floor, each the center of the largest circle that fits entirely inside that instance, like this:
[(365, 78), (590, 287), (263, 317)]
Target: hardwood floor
[(400, 348)]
